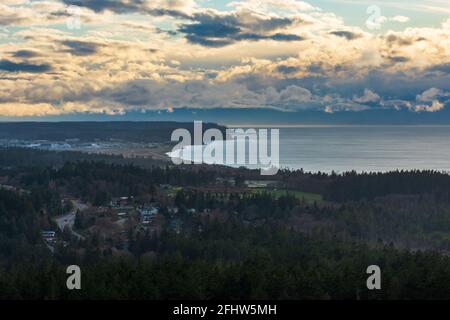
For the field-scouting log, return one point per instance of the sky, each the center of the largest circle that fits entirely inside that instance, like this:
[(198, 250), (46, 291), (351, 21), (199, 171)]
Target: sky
[(113, 57)]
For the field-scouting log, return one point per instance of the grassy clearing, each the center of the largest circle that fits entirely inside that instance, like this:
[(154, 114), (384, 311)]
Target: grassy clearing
[(172, 191), (307, 197)]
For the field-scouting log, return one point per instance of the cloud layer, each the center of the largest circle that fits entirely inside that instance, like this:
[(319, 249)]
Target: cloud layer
[(112, 56)]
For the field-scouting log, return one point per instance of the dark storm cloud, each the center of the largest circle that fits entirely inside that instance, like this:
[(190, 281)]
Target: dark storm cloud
[(167, 32), (134, 92), (394, 90), (316, 68), (400, 41), (192, 38), (346, 34), (398, 59), (167, 12), (211, 35), (210, 29), (224, 41), (102, 5), (444, 68), (205, 28), (124, 7), (276, 37), (213, 30), (239, 20), (390, 86), (287, 69), (285, 37), (25, 54), (9, 66), (80, 48)]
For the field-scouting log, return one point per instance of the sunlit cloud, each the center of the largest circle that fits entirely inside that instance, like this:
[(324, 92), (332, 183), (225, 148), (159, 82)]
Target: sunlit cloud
[(162, 55)]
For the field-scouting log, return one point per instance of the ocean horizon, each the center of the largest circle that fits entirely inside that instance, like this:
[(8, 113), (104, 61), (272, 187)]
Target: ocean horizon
[(375, 148), (365, 148)]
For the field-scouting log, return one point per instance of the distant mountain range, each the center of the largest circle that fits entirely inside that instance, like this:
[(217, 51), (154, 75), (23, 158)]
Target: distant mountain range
[(256, 116)]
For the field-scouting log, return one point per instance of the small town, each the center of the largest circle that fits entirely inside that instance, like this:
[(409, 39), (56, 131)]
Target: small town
[(128, 217)]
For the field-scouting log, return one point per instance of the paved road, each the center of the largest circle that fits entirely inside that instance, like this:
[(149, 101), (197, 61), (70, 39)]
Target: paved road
[(68, 220), (51, 248)]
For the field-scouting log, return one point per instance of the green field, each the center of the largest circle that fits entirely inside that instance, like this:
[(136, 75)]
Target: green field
[(172, 192), (307, 197)]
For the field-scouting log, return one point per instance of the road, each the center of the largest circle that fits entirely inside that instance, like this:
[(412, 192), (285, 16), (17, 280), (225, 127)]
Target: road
[(68, 220)]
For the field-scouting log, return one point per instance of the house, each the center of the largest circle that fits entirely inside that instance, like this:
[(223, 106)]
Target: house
[(172, 210), (48, 236), (147, 214), (226, 181), (122, 202), (150, 211), (146, 219), (176, 225), (261, 183)]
